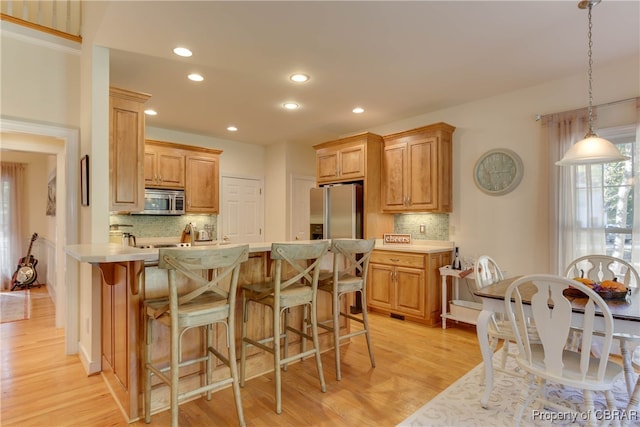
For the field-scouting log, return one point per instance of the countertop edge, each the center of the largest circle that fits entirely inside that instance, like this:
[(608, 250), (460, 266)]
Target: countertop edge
[(114, 252)]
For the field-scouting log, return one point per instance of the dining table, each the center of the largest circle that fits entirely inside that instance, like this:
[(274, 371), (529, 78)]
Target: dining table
[(625, 311)]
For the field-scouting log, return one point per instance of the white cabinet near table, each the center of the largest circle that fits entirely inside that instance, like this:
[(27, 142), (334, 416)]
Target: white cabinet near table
[(459, 310)]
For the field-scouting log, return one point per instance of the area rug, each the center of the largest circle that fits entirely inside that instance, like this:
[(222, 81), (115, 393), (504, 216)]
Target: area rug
[(15, 305), (459, 404)]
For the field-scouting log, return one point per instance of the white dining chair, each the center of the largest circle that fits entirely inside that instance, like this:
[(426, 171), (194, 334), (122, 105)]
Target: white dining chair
[(550, 360), (603, 267), (487, 272), (634, 398)]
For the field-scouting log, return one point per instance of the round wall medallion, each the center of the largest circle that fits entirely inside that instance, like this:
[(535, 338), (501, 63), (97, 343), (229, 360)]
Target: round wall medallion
[(498, 171)]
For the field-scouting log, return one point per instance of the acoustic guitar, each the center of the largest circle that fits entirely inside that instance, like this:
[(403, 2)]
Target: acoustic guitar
[(26, 273)]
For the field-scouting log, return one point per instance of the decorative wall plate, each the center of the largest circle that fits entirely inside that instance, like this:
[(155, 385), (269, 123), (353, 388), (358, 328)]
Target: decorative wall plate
[(498, 171)]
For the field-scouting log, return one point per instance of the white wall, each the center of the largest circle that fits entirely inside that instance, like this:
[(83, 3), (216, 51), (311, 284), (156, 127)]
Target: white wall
[(237, 158), (513, 228), (39, 82)]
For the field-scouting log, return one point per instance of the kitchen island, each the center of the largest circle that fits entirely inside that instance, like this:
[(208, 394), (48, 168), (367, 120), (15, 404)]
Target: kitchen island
[(129, 275)]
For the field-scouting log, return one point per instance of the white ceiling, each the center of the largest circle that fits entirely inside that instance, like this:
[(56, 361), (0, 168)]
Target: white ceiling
[(395, 59)]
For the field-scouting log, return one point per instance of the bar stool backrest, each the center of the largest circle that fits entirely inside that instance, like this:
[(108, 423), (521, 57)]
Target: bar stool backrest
[(293, 255), (355, 258), (191, 262)]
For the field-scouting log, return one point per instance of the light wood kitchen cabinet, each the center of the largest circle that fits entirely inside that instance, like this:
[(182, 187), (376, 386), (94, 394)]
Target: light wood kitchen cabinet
[(356, 159), (126, 150), (417, 170), (403, 285), (202, 181), (344, 161), (164, 165)]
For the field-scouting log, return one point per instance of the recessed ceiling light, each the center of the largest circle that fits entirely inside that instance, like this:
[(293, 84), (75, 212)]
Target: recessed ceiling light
[(358, 110), (290, 105), (196, 77), (232, 128), (299, 78), (182, 51), (150, 112)]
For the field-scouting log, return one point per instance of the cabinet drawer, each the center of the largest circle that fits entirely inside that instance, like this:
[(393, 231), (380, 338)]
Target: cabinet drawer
[(398, 258)]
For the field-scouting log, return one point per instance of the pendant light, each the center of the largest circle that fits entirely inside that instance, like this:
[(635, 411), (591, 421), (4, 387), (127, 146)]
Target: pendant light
[(591, 149)]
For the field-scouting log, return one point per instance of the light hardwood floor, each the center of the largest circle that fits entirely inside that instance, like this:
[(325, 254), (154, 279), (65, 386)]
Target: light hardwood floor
[(41, 386)]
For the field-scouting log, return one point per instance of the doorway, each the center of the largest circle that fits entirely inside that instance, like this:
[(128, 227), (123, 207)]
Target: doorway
[(300, 206), (64, 144)]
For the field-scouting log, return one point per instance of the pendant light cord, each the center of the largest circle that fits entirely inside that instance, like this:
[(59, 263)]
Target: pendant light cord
[(591, 133)]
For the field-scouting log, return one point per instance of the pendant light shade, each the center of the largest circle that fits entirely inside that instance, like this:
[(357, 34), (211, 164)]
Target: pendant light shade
[(591, 149)]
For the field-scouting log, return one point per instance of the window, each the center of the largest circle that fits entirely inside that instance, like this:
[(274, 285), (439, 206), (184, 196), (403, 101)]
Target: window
[(604, 199)]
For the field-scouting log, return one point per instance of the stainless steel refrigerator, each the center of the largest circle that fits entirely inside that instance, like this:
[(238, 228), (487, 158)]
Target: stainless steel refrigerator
[(336, 211)]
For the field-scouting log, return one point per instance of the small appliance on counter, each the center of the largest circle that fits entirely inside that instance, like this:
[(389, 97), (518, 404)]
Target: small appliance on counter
[(115, 232)]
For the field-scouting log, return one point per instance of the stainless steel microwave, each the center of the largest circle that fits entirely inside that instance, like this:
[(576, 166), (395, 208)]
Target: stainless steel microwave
[(163, 202)]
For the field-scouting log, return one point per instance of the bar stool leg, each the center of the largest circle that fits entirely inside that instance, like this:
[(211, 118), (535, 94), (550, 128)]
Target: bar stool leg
[(365, 321), (147, 372), (243, 343), (316, 341), (335, 302), (233, 366), (276, 357)]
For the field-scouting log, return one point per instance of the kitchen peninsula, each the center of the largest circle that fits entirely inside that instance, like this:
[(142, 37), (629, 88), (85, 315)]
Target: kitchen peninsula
[(128, 275)]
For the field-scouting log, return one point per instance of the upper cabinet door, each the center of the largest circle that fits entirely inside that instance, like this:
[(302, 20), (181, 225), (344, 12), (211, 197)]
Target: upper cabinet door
[(202, 183), (422, 174), (344, 162), (394, 160), (126, 150), (417, 170), (164, 166)]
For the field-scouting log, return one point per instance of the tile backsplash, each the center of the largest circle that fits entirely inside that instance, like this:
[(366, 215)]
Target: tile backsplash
[(436, 225), (162, 226)]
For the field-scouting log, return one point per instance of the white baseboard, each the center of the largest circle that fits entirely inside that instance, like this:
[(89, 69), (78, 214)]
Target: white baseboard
[(90, 366)]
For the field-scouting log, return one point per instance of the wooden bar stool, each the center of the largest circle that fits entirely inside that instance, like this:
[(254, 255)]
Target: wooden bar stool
[(281, 292), (200, 303), (350, 266)]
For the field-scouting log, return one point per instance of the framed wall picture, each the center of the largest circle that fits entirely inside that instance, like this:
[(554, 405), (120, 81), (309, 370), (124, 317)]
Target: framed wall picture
[(51, 195), (84, 180)]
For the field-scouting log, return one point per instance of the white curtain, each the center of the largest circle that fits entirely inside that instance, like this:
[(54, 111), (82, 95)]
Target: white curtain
[(11, 187), (635, 233), (577, 218), (569, 232)]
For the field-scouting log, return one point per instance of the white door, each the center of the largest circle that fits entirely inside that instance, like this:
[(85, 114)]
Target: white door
[(300, 200), (242, 210)]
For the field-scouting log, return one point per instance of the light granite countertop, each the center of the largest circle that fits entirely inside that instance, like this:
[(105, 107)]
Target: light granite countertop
[(116, 252), (417, 246)]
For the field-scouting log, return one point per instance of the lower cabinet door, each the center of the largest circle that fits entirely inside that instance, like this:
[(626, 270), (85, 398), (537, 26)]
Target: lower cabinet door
[(380, 286), (410, 297)]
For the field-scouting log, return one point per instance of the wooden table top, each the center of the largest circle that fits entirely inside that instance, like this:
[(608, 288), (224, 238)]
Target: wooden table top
[(627, 309)]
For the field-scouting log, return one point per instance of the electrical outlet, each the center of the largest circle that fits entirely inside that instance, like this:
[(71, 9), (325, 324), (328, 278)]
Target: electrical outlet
[(422, 228)]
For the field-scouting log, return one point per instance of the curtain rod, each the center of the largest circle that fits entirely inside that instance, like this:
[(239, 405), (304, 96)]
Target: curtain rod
[(540, 116)]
